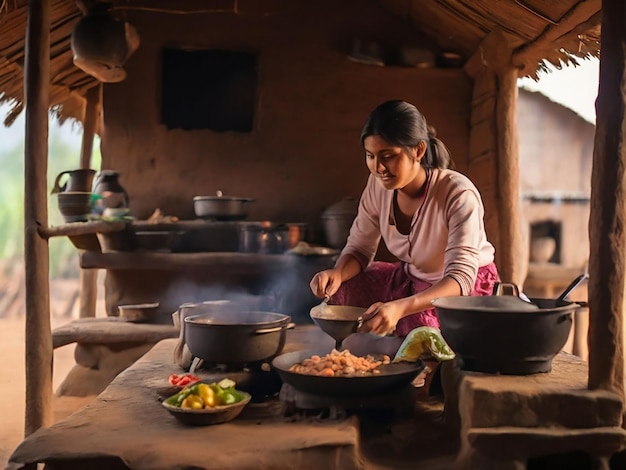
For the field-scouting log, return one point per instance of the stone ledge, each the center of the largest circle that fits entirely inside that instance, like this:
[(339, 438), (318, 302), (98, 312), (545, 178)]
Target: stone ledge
[(515, 443), (557, 398)]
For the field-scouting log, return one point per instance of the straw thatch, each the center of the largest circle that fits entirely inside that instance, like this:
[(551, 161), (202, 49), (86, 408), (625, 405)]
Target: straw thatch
[(557, 32)]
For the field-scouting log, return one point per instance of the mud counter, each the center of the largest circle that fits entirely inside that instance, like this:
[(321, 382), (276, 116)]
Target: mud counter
[(280, 280)]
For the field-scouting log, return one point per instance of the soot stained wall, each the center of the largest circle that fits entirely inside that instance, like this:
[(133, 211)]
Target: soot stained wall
[(303, 153)]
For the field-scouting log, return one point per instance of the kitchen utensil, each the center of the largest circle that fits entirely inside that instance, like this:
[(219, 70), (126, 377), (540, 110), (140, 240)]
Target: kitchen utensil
[(108, 186), (503, 333), (80, 180), (390, 377), (337, 220), (227, 337), (206, 416), (74, 206), (101, 44), (337, 321), (138, 312), (182, 355), (220, 207), (573, 285), (270, 237)]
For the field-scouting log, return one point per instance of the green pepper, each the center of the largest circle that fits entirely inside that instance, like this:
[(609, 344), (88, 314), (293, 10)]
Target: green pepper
[(228, 398), (237, 394), (177, 400)]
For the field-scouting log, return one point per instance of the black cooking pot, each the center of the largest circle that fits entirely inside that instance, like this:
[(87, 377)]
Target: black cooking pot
[(224, 337), (505, 334), (221, 207)]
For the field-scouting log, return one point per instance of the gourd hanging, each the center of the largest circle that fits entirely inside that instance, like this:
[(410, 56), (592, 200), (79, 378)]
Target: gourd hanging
[(102, 43)]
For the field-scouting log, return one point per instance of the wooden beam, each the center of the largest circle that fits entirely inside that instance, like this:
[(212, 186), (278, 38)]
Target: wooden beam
[(607, 219), (36, 251), (72, 229), (92, 110), (89, 277), (494, 138)]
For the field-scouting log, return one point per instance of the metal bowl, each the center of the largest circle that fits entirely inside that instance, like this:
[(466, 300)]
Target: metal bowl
[(337, 321), (138, 312)]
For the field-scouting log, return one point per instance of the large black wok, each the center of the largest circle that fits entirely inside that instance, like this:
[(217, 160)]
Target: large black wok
[(505, 334), (391, 377), (227, 337)]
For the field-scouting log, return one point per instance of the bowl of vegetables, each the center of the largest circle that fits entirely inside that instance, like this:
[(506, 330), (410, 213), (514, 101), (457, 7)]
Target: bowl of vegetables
[(201, 403)]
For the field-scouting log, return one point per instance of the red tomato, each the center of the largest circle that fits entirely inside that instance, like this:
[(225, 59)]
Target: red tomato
[(183, 380)]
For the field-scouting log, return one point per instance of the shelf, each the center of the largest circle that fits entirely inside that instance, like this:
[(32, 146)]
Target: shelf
[(81, 228), (215, 261)]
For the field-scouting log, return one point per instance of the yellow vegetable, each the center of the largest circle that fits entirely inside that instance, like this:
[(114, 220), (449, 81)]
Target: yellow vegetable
[(193, 401), (208, 395)]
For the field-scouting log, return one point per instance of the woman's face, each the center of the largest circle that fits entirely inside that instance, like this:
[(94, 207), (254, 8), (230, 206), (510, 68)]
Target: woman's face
[(394, 167)]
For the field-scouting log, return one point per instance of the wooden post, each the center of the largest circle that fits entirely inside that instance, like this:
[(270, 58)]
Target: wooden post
[(92, 110), (513, 257), (607, 219), (89, 277), (36, 251), (494, 154)]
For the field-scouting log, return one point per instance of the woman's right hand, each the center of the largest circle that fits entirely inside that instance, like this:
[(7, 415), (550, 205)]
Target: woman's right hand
[(326, 282)]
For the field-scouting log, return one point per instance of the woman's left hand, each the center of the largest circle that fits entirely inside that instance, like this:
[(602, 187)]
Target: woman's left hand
[(381, 318)]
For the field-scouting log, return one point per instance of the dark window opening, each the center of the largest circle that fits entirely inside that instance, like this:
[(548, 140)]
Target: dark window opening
[(208, 89)]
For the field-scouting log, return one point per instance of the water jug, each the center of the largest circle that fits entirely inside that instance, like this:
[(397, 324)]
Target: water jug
[(80, 180), (113, 194)]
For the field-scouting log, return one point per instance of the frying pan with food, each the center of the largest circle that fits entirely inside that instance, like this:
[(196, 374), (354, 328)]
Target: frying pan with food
[(391, 377)]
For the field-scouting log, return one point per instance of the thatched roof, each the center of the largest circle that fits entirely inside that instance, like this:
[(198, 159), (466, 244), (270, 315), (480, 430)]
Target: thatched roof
[(559, 31)]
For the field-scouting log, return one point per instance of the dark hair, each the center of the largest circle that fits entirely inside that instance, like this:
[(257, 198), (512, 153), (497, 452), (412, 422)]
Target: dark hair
[(401, 124)]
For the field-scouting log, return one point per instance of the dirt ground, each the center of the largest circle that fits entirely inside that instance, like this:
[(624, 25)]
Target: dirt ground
[(12, 381), (12, 369)]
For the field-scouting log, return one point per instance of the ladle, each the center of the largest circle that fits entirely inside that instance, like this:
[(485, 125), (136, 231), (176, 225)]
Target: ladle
[(572, 286), (337, 321)]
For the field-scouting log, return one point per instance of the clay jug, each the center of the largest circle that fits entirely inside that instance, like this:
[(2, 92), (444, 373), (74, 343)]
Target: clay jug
[(113, 194), (79, 180)]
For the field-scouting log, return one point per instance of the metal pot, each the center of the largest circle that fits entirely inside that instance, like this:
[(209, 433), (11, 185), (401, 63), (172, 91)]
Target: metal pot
[(225, 337), (337, 220), (505, 334), (270, 237), (221, 207)]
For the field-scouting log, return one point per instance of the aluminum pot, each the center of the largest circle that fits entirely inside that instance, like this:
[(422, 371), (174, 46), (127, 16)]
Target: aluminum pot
[(221, 207), (505, 334), (337, 221), (224, 337)]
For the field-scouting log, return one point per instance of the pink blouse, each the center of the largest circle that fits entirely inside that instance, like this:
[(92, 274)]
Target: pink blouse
[(447, 236)]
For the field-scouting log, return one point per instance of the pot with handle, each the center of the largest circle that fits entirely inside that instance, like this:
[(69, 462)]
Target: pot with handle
[(220, 207), (390, 377), (243, 337), (503, 333), (80, 180)]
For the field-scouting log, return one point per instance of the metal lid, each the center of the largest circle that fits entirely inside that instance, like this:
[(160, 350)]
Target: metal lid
[(347, 206)]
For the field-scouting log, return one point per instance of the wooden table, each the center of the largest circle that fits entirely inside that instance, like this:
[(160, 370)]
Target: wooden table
[(126, 427)]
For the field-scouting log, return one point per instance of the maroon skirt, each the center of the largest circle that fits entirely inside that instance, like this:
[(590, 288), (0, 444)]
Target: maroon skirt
[(383, 282)]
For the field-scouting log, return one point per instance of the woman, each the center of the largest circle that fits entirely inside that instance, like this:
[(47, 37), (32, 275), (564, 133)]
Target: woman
[(431, 219)]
